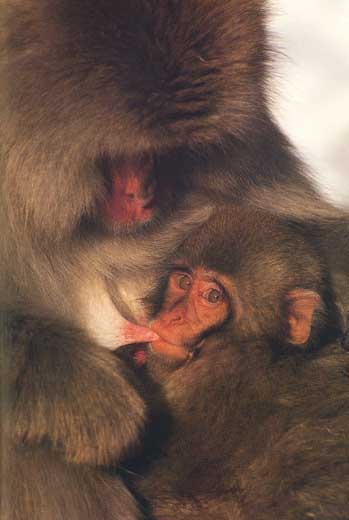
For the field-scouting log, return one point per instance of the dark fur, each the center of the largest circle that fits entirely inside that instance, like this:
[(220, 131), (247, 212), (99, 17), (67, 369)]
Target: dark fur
[(259, 428), (81, 82)]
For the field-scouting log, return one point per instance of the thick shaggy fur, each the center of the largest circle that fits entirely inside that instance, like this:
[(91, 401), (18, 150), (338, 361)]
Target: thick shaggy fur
[(254, 437), (84, 79), (257, 428), (84, 82)]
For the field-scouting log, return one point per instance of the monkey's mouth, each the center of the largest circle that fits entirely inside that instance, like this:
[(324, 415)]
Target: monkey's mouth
[(131, 196), (137, 354), (179, 350)]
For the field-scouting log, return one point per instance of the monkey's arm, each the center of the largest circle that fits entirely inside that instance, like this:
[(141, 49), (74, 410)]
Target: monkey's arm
[(66, 390)]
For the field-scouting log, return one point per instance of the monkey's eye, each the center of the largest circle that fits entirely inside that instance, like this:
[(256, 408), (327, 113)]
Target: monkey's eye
[(184, 282), (215, 295)]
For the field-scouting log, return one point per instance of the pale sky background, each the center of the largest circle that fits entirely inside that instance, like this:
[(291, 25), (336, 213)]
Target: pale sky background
[(312, 104)]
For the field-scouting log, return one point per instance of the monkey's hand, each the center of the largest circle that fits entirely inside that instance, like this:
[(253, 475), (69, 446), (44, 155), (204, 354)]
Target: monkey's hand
[(68, 392)]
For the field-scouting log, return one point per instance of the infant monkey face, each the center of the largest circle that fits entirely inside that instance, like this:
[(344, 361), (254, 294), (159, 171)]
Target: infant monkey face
[(196, 302)]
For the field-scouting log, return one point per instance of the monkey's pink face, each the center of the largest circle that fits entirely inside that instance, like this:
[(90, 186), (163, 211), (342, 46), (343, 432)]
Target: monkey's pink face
[(198, 302), (131, 193), (195, 302)]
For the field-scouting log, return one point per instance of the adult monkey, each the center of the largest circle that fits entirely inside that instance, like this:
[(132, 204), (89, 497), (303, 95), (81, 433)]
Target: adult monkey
[(114, 115)]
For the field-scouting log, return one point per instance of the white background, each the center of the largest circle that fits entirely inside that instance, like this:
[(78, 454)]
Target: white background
[(312, 86)]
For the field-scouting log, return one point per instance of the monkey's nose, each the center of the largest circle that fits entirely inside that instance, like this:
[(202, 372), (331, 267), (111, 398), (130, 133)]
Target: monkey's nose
[(176, 319), (166, 324)]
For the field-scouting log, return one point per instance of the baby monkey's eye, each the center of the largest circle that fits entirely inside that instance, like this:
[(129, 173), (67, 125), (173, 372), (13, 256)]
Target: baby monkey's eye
[(184, 282), (214, 295)]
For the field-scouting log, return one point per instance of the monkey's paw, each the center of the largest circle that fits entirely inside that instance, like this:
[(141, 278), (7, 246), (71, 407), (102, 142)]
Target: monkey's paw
[(77, 397)]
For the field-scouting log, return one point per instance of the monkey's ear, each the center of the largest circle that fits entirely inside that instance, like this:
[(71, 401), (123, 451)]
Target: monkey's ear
[(301, 305)]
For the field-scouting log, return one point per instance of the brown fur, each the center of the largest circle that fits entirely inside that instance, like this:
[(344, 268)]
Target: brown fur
[(258, 426), (82, 83), (87, 79)]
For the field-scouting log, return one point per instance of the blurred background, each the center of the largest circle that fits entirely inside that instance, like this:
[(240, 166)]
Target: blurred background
[(312, 86)]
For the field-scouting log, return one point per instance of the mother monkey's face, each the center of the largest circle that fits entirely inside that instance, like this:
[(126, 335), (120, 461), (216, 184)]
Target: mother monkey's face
[(108, 106)]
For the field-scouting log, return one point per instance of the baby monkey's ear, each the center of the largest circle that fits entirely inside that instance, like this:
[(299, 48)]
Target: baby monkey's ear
[(301, 305)]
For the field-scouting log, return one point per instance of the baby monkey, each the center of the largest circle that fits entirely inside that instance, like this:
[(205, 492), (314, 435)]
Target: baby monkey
[(198, 301), (245, 272), (251, 377)]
